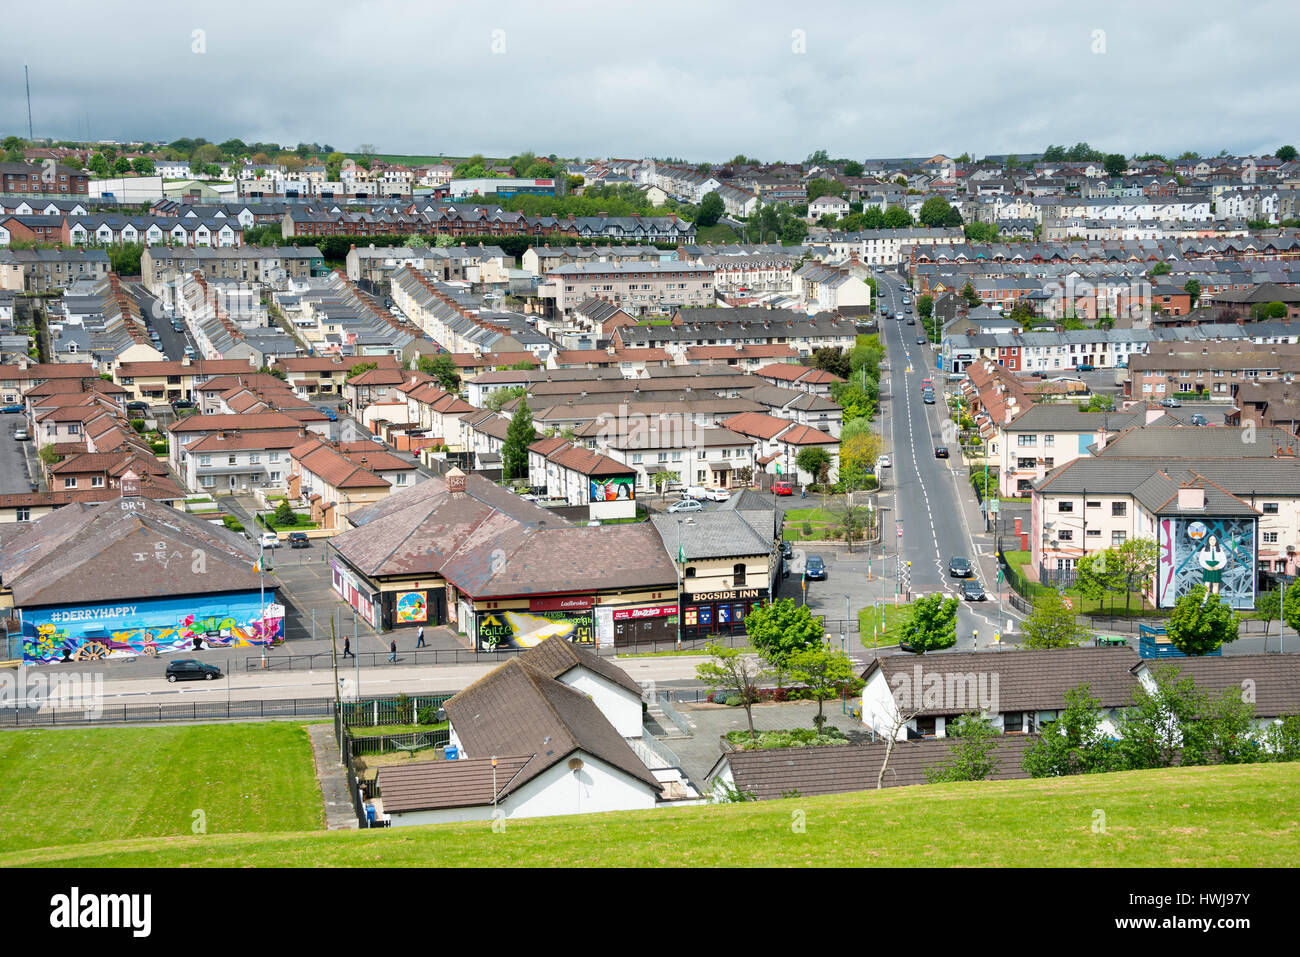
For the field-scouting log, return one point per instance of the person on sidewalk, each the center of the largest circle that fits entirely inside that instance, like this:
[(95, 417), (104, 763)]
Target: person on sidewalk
[(419, 637), (347, 647), (392, 646)]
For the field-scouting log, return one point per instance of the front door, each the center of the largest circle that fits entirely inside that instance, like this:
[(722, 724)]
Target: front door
[(232, 483)]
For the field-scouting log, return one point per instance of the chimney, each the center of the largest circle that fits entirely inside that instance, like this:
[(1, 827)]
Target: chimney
[(455, 481), (1191, 499), (130, 484)]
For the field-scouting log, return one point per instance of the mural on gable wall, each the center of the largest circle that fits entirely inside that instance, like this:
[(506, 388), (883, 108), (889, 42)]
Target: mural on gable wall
[(152, 628), (1218, 553), (524, 629)]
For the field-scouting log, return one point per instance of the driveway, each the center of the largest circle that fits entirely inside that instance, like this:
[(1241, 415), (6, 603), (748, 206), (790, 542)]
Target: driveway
[(14, 473)]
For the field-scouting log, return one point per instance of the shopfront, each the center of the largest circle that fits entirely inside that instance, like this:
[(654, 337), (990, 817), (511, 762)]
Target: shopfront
[(646, 625), (353, 591), (719, 612)]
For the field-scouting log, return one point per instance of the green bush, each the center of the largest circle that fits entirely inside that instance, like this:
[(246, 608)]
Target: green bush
[(806, 528), (792, 738), (232, 523), (138, 425), (735, 701)]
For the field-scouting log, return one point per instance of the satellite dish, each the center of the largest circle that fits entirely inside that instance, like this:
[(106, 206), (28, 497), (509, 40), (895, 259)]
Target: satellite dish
[(575, 765)]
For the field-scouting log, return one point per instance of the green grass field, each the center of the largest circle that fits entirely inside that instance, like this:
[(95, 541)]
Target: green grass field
[(1111, 604), (103, 784), (1231, 816), (895, 616), (720, 233)]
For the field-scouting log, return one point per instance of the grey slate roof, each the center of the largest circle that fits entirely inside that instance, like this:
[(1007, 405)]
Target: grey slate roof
[(713, 534)]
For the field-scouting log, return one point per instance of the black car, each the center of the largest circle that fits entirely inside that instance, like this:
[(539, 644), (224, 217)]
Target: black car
[(183, 404), (910, 649), (787, 550), (815, 569), (927, 398), (959, 568), (299, 540), (1198, 419), (137, 406), (190, 669), (941, 451), (972, 590)]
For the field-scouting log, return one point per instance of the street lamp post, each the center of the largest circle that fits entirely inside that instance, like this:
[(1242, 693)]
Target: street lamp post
[(844, 630), (680, 577)]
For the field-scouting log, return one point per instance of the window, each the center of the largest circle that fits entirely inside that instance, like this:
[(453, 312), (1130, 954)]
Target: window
[(1065, 507), (255, 458), (738, 575), (1026, 440), (1270, 508), (1094, 504), (230, 460), (1049, 440), (1066, 535), (1117, 538), (24, 513), (1270, 538), (70, 482), (205, 460), (1013, 722), (1118, 509), (1093, 533), (97, 481), (1025, 463), (208, 481)]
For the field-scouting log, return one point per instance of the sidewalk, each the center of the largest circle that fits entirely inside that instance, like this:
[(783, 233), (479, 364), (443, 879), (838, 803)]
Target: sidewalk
[(333, 779)]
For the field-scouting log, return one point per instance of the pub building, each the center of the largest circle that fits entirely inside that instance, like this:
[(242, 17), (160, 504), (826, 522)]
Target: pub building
[(728, 562)]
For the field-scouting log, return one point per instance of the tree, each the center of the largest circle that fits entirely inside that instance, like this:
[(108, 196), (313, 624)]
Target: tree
[(1201, 623), (734, 670), (818, 188), (854, 168), (284, 513), (500, 397), (851, 519), (1291, 608), (1052, 624), (896, 218), (969, 294), (974, 740), (1074, 743), (99, 165), (361, 367), (1115, 164), (519, 435), (711, 209), (1152, 730), (814, 460), (935, 212), (1098, 403), (1161, 269), (782, 629), (1285, 153), (1193, 288), (1269, 310), (925, 306), (661, 480), (823, 671), (442, 368), (832, 360), (932, 625), (121, 166), (143, 165), (1097, 575), (860, 449), (793, 232)]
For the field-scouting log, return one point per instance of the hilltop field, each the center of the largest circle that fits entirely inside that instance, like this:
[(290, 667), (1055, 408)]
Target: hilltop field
[(109, 797)]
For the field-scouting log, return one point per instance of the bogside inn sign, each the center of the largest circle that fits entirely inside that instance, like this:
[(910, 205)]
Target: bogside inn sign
[(732, 595)]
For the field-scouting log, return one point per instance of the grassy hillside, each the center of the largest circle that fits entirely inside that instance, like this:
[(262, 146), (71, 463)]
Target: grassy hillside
[(1225, 816), (66, 787)]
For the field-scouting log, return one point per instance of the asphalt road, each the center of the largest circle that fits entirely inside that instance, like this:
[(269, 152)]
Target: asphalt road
[(172, 343), (13, 461)]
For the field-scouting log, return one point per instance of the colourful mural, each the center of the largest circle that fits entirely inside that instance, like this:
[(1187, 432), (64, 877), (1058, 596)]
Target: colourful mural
[(153, 627), (620, 487), (1218, 553), (524, 629), (411, 606)]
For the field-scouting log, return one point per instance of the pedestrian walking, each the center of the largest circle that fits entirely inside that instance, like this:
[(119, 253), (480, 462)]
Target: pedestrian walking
[(347, 647), (419, 637), (393, 648)]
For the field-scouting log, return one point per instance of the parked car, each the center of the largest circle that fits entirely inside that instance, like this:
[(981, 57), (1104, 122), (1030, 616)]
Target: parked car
[(686, 505), (814, 568), (21, 435), (972, 590), (299, 540), (909, 648), (717, 494), (190, 669), (16, 407), (183, 404), (883, 463), (137, 406), (1169, 402), (698, 492), (1085, 367), (329, 413), (1198, 419), (959, 568), (911, 320), (269, 540), (941, 452), (787, 550), (782, 488)]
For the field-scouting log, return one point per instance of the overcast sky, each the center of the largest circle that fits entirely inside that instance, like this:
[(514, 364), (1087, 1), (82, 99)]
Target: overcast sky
[(701, 80)]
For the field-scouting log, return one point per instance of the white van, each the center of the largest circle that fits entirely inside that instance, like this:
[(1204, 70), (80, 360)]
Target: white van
[(697, 492)]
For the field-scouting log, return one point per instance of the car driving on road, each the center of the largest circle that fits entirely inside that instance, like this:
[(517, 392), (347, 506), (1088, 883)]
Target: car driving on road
[(190, 669), (972, 590), (814, 568), (959, 567), (940, 451)]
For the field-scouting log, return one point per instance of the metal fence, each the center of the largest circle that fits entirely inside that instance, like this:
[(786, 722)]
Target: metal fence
[(354, 784), (411, 743), (675, 716), (143, 713), (658, 749), (399, 709)]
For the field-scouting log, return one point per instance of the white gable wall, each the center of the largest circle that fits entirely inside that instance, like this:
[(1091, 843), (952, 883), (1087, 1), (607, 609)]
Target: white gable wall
[(620, 707)]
